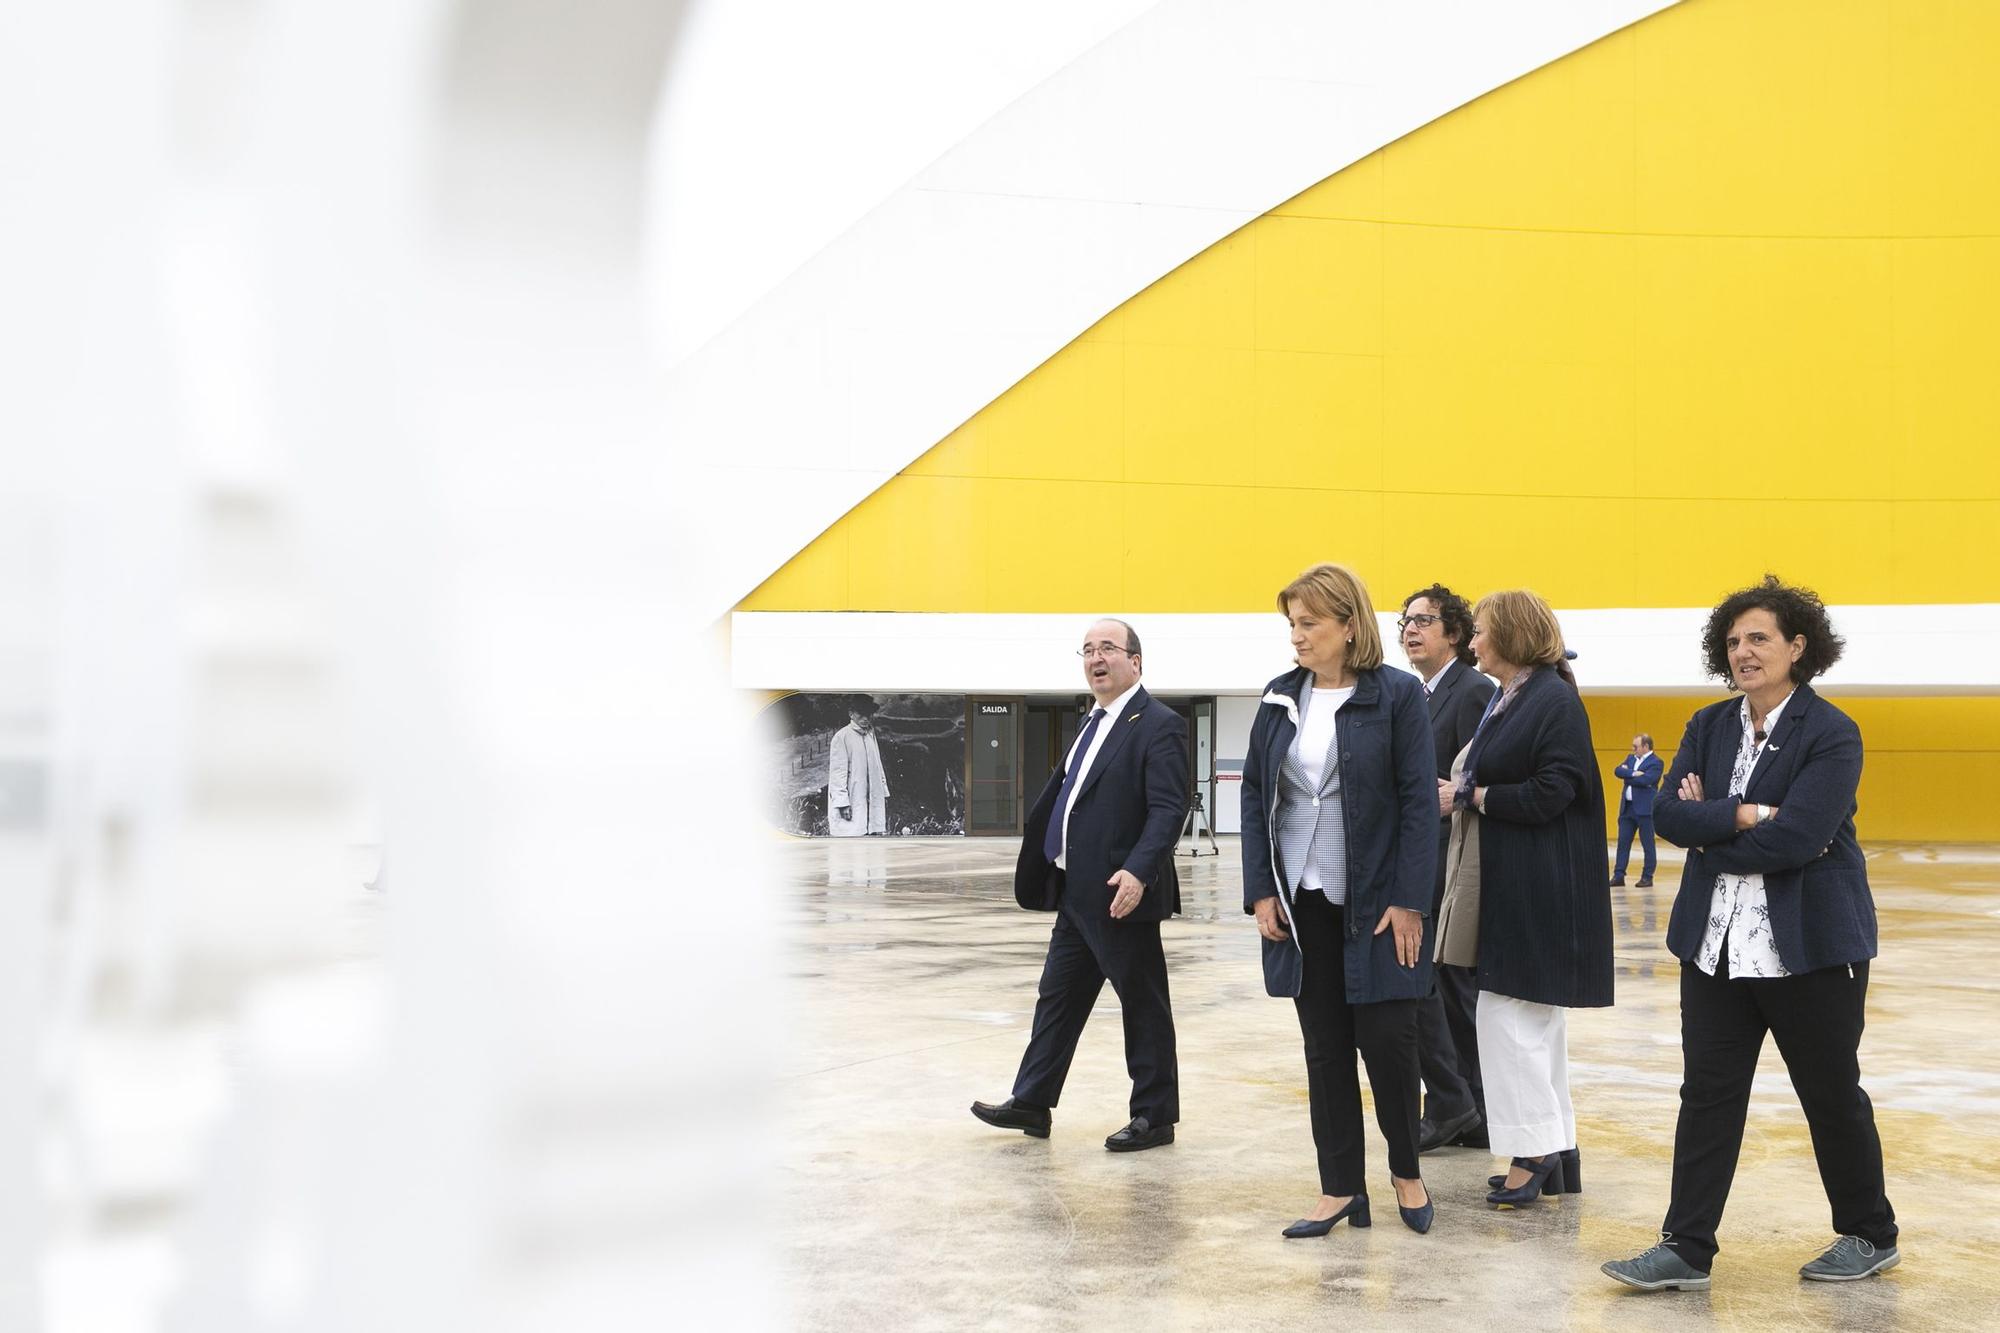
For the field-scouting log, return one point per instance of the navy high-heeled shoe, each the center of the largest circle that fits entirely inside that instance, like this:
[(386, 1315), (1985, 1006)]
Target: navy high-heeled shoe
[(1544, 1177), (1418, 1219), (1356, 1213), (1572, 1176)]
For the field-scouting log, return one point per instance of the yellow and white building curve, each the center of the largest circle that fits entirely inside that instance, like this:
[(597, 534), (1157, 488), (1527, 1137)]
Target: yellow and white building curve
[(1628, 309)]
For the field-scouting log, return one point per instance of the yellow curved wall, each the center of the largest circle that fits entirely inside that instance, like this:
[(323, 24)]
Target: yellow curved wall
[(1715, 295)]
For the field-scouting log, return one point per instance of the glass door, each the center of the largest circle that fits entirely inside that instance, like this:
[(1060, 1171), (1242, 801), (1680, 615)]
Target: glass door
[(993, 769)]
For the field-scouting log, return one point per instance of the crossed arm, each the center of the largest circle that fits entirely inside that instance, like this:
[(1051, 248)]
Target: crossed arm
[(1816, 802)]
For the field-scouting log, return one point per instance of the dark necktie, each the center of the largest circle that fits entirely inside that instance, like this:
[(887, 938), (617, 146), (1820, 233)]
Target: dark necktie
[(1052, 841)]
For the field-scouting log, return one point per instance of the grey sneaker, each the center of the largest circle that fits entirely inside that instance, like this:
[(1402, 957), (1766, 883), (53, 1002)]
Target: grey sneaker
[(1848, 1260), (1656, 1270)]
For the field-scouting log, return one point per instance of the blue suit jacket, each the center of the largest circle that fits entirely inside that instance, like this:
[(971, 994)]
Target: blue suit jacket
[(1127, 815), (1644, 782), (1822, 914)]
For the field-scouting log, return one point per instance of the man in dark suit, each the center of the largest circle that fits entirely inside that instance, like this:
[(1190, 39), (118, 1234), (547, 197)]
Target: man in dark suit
[(1098, 851), (1436, 630), (1641, 773)]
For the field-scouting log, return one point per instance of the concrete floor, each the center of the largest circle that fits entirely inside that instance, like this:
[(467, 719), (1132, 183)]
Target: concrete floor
[(914, 983)]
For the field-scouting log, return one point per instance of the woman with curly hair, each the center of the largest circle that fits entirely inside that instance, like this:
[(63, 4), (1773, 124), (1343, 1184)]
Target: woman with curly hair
[(1774, 927)]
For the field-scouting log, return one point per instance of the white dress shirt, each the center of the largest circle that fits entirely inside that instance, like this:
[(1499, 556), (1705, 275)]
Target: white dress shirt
[(1737, 908), (1313, 744), (1317, 729), (1114, 713), (1435, 679)]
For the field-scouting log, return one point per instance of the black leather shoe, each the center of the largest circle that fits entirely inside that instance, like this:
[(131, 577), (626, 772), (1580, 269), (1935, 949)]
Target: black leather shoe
[(1646, 883), (1356, 1213), (1010, 1114), (1432, 1135), (1140, 1135), (1617, 881)]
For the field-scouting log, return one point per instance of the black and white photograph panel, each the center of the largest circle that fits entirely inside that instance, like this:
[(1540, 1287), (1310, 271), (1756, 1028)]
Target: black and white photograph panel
[(868, 765)]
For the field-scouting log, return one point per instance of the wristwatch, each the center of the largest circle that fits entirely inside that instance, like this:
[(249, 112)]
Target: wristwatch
[(1763, 813)]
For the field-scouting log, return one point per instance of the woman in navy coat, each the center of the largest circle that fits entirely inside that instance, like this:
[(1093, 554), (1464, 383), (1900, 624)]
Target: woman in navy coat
[(1774, 926), (1339, 815), (1544, 943)]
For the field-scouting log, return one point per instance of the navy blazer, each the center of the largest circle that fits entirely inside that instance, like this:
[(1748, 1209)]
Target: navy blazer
[(1544, 879), (1815, 878), (1127, 814), (1644, 784), (1389, 806)]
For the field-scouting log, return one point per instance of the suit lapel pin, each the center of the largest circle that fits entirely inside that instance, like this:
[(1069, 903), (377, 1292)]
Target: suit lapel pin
[(1133, 718)]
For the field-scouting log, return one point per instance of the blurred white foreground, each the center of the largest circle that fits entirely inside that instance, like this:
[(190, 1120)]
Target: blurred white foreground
[(337, 515)]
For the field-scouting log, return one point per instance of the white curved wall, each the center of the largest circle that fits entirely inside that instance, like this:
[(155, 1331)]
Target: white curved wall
[(1189, 121), (782, 122), (1891, 650)]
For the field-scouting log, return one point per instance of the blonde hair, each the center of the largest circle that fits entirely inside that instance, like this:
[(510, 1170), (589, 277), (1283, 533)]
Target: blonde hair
[(1519, 627), (1338, 592)]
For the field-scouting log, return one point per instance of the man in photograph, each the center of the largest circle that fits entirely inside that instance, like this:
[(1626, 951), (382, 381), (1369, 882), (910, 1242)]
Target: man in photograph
[(857, 789)]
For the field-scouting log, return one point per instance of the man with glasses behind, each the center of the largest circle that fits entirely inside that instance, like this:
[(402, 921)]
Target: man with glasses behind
[(1098, 851), (1436, 633)]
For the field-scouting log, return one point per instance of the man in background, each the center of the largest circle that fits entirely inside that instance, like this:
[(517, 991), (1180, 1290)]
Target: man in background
[(1641, 773), (1436, 633)]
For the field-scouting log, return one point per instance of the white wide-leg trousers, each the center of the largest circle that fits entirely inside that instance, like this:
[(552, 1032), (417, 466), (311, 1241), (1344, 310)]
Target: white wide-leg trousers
[(1524, 1055)]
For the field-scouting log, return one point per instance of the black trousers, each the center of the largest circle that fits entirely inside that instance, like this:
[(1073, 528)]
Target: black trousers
[(1086, 949), (1447, 1032), (1385, 1033), (1448, 1044), (1817, 1020), (1626, 825)]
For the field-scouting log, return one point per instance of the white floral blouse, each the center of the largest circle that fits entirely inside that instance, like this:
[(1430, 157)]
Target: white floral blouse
[(1737, 910)]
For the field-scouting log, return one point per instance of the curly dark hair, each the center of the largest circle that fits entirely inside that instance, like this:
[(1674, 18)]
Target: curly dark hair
[(1798, 611), (1456, 614)]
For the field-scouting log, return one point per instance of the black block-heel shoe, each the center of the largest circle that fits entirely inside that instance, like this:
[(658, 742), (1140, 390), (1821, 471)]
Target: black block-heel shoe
[(1356, 1214), (1572, 1176), (1544, 1177)]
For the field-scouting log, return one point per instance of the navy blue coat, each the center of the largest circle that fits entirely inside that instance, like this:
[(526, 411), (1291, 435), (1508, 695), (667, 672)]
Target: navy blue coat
[(1388, 788), (1815, 879), (1642, 775), (1544, 879), (1127, 816)]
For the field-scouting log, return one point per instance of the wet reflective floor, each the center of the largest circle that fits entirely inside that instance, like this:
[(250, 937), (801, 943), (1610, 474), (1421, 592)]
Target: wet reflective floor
[(914, 981)]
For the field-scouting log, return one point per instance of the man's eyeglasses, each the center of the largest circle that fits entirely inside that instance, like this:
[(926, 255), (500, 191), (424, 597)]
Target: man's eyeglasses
[(1091, 650), (1420, 621)]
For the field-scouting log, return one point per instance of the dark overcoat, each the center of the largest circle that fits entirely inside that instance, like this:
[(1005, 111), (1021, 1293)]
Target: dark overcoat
[(1815, 878), (1389, 809), (1544, 877)]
